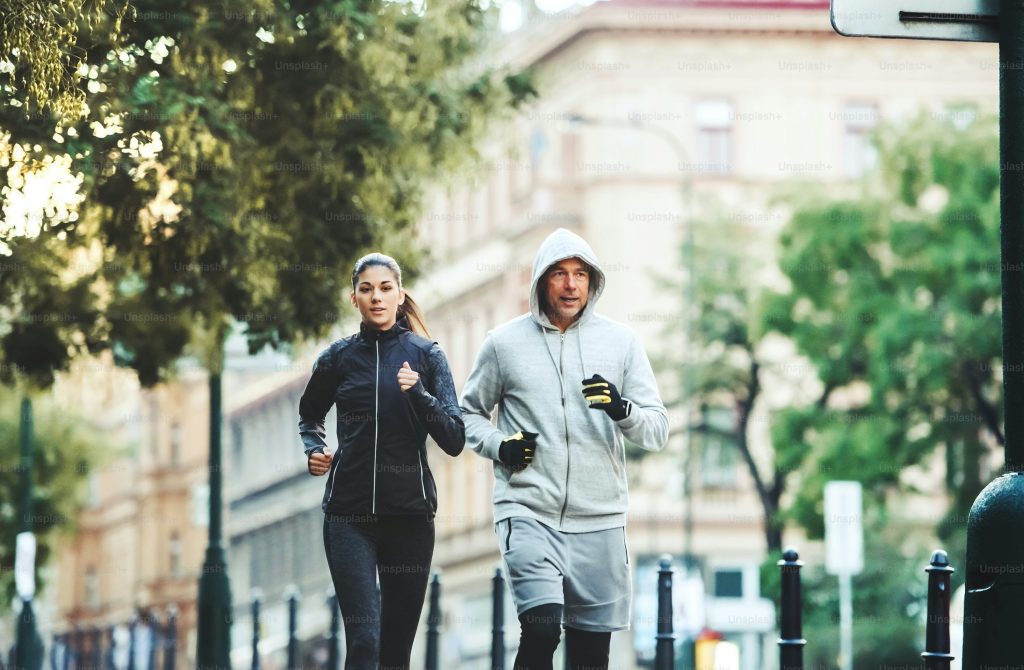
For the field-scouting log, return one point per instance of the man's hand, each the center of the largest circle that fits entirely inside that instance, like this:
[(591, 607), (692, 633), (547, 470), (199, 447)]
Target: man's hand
[(602, 394), (407, 377), (516, 451), (318, 463)]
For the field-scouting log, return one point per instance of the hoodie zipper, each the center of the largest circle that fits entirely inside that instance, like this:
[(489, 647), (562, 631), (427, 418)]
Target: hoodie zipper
[(565, 420), (376, 403)]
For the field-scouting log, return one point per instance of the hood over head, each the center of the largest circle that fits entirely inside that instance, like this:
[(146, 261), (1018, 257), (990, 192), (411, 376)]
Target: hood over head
[(558, 246)]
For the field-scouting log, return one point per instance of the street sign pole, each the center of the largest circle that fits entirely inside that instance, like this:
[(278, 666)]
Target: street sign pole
[(994, 604), (844, 554)]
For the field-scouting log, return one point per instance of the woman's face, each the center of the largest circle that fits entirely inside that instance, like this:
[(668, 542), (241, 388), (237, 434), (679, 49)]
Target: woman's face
[(377, 297)]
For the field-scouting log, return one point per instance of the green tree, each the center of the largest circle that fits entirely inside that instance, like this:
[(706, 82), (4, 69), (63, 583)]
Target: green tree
[(65, 451), (894, 299), (725, 368), (237, 156), (39, 43)]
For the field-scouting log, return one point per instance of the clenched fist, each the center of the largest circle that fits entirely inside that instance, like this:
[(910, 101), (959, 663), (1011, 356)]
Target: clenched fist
[(407, 377), (319, 463)]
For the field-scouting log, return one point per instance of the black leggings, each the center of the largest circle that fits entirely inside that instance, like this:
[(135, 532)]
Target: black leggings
[(541, 628), (379, 628)]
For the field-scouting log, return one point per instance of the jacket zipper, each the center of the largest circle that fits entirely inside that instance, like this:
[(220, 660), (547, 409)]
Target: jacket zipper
[(334, 467), (376, 403), (419, 458), (565, 419)]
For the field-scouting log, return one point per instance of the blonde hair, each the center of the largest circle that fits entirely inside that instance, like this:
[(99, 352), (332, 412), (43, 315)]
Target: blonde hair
[(409, 309)]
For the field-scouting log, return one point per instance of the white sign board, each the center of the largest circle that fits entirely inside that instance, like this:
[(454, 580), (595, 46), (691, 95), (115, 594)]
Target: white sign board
[(844, 528), (25, 565), (958, 20)]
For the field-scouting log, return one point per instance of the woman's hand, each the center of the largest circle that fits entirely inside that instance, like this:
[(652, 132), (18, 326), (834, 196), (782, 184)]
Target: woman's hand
[(407, 377), (318, 463)]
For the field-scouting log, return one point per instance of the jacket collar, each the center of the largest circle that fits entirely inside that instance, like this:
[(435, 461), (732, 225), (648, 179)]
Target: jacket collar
[(371, 334)]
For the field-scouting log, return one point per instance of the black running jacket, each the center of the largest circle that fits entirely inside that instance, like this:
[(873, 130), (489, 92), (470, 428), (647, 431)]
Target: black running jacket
[(381, 463)]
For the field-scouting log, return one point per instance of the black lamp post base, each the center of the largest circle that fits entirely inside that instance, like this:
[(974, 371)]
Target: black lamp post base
[(994, 606), (213, 643)]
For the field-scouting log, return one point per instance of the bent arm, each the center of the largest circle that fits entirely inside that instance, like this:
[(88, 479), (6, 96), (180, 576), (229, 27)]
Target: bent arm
[(438, 406), (315, 402), (480, 394), (647, 423)]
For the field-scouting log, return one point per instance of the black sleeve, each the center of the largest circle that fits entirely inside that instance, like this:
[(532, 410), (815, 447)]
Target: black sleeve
[(316, 401), (437, 405)]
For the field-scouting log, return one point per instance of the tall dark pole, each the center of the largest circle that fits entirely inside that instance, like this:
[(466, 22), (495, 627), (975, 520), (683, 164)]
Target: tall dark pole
[(433, 624), (791, 639), (213, 644), (936, 641), (29, 646), (497, 621), (332, 639), (994, 605), (293, 624), (664, 638)]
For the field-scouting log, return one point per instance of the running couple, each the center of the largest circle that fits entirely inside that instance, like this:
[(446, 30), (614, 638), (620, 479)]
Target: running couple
[(568, 385)]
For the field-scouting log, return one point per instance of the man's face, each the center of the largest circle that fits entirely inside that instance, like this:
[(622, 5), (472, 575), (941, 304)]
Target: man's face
[(566, 287)]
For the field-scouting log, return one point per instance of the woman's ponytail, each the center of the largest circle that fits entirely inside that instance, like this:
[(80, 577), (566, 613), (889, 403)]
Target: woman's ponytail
[(414, 315)]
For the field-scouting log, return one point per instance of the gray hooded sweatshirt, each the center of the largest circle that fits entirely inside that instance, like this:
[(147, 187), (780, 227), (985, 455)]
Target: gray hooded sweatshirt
[(534, 374)]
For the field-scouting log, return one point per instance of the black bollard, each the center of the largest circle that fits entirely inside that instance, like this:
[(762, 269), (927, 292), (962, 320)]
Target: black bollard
[(936, 638), (54, 646), (171, 638), (131, 642), (54, 655), (791, 641), (256, 597), (97, 648), (497, 621), (433, 623), (665, 639), (153, 630), (293, 623), (65, 660), (332, 640), (79, 659), (108, 658)]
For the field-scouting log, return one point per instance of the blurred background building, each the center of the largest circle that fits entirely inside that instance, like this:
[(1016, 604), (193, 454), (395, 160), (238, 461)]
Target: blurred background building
[(646, 107)]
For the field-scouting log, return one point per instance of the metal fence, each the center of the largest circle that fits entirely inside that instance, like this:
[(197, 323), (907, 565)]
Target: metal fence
[(150, 643)]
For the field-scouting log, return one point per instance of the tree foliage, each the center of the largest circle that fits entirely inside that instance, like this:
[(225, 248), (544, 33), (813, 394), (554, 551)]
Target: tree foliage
[(65, 450), (895, 300), (237, 156), (38, 42), (889, 302)]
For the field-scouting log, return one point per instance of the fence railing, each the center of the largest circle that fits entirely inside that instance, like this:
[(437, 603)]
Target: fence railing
[(150, 644), (144, 643)]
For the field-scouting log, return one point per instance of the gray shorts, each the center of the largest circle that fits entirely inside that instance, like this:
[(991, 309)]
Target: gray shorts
[(587, 573)]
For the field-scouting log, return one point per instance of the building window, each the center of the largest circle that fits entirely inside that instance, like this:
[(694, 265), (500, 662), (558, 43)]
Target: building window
[(718, 451), (728, 583), (92, 588), (714, 138), (570, 157), (859, 155), (237, 441), (93, 490), (174, 549), (175, 439)]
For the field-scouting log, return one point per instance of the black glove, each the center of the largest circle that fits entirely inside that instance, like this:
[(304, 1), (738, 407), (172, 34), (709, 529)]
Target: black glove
[(602, 394), (517, 450)]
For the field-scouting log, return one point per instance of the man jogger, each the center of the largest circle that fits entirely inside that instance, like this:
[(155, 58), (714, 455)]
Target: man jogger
[(569, 385)]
